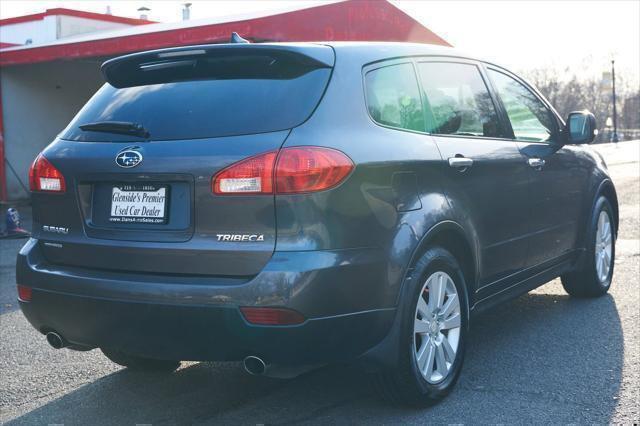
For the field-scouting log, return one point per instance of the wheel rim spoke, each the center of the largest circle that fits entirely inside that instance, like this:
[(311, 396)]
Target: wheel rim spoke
[(426, 367), (423, 308), (600, 221), (448, 350), (441, 363), (450, 305), (422, 352), (436, 292), (442, 283), (452, 322), (420, 326)]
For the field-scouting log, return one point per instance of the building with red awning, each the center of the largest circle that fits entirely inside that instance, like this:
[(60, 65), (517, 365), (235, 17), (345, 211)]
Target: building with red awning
[(50, 62)]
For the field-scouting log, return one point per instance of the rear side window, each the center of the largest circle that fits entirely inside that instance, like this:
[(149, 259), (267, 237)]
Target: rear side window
[(203, 104), (393, 97), (530, 119), (457, 100)]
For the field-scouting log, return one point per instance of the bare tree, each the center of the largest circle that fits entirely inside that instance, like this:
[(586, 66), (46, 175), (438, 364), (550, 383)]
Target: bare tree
[(568, 92)]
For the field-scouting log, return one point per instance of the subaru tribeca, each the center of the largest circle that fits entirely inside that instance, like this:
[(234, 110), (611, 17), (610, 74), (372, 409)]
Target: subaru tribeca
[(292, 205)]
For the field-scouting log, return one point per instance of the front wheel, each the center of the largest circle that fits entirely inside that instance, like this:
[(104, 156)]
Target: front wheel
[(141, 364), (593, 279), (434, 330)]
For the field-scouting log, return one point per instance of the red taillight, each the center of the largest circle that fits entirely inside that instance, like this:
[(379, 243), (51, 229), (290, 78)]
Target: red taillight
[(24, 293), (297, 170), (271, 316), (44, 177), (310, 169), (251, 176)]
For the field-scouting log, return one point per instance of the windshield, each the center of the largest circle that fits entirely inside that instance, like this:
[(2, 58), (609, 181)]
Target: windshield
[(203, 108)]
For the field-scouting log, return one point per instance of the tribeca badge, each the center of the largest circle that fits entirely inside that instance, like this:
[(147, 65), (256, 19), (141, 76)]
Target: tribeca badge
[(240, 237)]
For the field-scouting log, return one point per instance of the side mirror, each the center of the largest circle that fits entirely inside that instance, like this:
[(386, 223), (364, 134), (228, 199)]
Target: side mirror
[(580, 128)]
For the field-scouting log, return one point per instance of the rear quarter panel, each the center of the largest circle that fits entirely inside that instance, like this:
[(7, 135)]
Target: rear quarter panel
[(389, 202)]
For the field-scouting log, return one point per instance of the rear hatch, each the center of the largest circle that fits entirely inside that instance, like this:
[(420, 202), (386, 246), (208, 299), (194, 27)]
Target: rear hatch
[(139, 158)]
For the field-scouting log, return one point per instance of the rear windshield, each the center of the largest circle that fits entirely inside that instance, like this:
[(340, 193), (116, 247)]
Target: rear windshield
[(204, 108)]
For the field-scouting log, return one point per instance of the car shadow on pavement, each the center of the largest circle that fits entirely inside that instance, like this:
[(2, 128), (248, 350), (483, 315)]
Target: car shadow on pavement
[(541, 358)]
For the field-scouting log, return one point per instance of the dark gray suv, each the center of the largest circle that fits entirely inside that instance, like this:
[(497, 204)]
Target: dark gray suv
[(292, 205)]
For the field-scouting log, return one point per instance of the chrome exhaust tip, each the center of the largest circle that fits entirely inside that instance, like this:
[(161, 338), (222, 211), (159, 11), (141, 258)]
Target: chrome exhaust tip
[(254, 365), (55, 340)]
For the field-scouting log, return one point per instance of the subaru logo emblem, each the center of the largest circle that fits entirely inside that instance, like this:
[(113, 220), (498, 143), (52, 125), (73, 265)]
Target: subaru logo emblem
[(128, 158)]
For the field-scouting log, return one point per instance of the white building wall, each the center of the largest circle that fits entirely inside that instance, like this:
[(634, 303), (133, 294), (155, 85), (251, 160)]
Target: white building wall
[(40, 31), (52, 28), (72, 25), (38, 101)]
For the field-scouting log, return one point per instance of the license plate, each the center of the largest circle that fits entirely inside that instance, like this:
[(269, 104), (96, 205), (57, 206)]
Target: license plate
[(139, 204)]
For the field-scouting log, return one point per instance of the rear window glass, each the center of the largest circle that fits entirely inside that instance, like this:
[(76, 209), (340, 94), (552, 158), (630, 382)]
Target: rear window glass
[(393, 97), (204, 108)]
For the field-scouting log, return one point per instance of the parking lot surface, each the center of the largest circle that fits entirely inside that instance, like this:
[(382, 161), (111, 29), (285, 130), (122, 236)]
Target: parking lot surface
[(541, 358)]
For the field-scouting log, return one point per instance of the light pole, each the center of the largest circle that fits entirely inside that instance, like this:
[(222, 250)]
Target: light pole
[(613, 88)]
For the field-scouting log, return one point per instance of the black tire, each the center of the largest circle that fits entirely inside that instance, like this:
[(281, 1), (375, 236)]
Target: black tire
[(141, 364), (584, 282), (406, 385)]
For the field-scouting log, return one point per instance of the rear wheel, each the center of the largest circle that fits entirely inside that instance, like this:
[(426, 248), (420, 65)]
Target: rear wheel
[(141, 364), (433, 335), (593, 279)]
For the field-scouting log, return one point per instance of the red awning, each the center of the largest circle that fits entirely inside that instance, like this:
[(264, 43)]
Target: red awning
[(353, 20)]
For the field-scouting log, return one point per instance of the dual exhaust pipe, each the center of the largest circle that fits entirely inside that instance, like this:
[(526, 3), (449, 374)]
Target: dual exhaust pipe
[(56, 341), (254, 365)]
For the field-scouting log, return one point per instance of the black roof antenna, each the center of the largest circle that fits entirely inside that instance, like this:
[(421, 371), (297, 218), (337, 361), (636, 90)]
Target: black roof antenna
[(235, 38)]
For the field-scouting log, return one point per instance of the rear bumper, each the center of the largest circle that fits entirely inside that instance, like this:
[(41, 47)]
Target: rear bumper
[(198, 318)]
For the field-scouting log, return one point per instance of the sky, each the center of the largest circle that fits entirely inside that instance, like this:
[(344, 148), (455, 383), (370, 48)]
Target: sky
[(573, 36)]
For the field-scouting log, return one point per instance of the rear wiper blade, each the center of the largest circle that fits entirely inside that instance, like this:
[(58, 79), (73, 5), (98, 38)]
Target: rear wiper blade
[(120, 127)]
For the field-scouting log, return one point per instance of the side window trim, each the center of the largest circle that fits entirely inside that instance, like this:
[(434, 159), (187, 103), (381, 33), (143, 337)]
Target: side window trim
[(557, 120), (385, 64), (503, 121)]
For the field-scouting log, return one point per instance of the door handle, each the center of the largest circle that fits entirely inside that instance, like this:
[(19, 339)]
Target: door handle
[(536, 163), (461, 163)]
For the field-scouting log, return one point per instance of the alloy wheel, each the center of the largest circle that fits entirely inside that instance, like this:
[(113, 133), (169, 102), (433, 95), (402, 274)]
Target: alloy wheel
[(604, 241), (437, 327)]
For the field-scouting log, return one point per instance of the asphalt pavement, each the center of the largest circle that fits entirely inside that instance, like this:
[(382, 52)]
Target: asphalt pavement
[(542, 358)]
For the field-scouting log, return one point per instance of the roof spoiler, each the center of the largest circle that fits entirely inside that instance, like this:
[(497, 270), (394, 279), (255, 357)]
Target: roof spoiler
[(157, 66)]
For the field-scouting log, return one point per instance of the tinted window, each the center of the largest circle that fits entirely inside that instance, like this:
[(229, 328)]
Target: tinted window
[(204, 108), (457, 100), (393, 97), (530, 119)]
